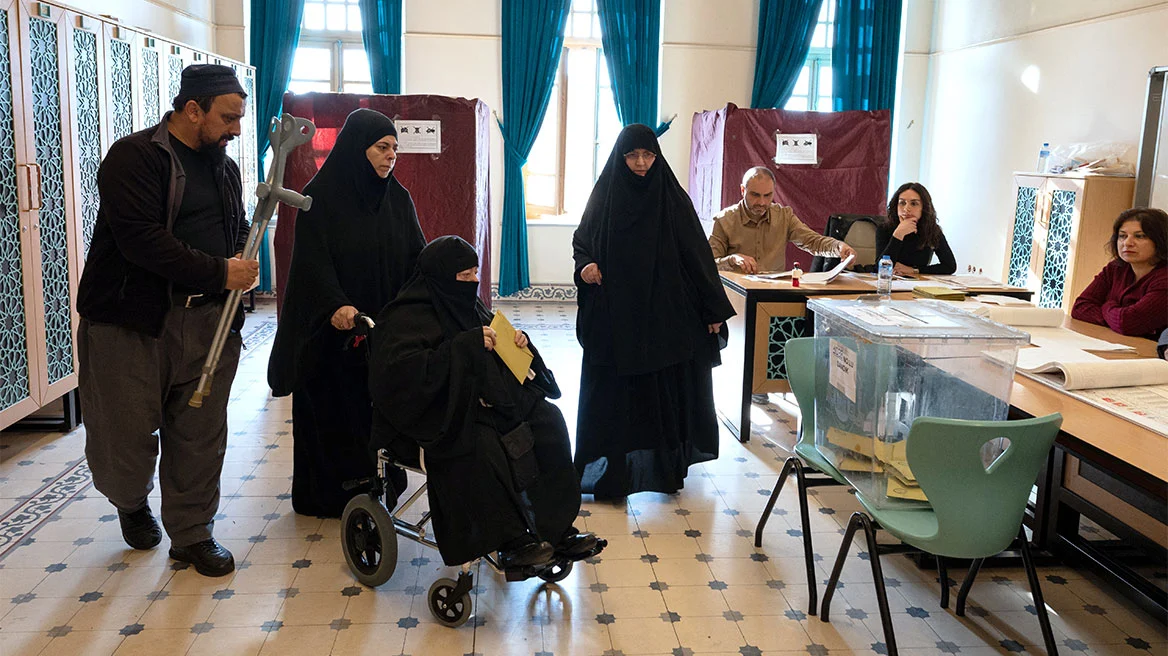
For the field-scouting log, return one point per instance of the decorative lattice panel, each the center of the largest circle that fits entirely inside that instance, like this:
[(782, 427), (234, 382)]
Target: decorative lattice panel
[(150, 88), (250, 162), (121, 75), (46, 110), (1058, 244), (88, 137), (782, 329), (1023, 236), (13, 339), (174, 79)]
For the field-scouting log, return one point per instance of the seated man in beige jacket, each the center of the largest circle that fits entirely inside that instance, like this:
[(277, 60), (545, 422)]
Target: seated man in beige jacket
[(751, 236)]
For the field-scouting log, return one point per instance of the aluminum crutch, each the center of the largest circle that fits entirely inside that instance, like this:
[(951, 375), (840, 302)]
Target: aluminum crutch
[(286, 133)]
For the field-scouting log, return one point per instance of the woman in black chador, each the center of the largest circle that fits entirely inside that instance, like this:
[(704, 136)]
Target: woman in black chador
[(353, 251), (651, 310), (497, 454)]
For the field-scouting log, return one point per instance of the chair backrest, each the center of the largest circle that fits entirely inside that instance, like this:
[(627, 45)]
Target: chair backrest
[(856, 230), (799, 353), (979, 508)]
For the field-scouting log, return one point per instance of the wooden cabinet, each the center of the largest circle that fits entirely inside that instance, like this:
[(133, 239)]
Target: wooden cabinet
[(1061, 226), (71, 84)]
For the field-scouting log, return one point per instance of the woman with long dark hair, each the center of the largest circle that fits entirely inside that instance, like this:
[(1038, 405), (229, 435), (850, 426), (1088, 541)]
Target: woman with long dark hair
[(651, 306), (1130, 294), (913, 235)]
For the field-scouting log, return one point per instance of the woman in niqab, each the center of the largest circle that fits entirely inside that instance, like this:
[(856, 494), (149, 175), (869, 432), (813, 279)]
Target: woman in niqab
[(497, 455), (650, 318), (353, 251)]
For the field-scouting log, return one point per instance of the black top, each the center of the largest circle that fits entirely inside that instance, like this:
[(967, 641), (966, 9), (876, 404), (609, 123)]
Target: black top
[(134, 258), (356, 246), (200, 217), (911, 252), (660, 285), (429, 368)]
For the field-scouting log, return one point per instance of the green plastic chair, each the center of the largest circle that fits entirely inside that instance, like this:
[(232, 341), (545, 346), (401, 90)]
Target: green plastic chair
[(976, 510), (800, 357)]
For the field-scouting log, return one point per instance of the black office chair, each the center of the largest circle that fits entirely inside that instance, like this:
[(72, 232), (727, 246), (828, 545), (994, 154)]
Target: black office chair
[(858, 231)]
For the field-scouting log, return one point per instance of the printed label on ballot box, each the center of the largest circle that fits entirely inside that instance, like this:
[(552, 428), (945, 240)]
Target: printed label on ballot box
[(842, 367)]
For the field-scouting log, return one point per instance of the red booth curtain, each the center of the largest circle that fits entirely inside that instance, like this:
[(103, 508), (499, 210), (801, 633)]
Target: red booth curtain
[(450, 189), (851, 178)]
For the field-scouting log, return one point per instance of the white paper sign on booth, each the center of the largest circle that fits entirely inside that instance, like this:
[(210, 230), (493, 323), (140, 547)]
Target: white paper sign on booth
[(419, 136), (796, 148)]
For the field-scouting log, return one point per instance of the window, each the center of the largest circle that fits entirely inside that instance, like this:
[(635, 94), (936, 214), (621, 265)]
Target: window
[(813, 87), (564, 164), (330, 56)]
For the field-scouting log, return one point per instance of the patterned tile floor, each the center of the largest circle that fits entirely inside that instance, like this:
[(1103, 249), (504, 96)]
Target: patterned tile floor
[(680, 576)]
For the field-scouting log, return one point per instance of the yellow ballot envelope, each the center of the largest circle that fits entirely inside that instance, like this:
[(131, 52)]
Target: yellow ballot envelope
[(518, 360)]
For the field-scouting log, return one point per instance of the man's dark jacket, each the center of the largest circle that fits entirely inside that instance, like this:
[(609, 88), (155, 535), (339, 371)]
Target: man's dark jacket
[(134, 260)]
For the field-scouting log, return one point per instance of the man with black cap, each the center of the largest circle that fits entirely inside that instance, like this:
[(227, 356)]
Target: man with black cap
[(165, 254)]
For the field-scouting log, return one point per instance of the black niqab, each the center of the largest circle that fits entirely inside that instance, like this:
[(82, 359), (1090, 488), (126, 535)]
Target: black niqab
[(660, 287), (356, 246)]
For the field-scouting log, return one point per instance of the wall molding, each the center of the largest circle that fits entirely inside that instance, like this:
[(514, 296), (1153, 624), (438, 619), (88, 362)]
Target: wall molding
[(538, 294), (1042, 30)]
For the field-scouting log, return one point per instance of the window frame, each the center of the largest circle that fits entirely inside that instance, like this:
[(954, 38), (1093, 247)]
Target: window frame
[(819, 61), (337, 41)]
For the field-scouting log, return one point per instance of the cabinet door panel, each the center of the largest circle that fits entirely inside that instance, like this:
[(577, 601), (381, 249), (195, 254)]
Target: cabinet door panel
[(149, 79), (51, 148), (119, 54), (18, 380), (85, 73), (1026, 199), (1063, 204)]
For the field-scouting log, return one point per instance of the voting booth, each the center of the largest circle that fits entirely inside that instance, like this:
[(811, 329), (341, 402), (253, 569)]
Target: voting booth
[(828, 162), (443, 161), (880, 365)]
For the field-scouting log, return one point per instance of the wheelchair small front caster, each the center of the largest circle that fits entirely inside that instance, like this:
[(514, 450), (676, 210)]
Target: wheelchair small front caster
[(369, 540), (557, 571), (448, 606)]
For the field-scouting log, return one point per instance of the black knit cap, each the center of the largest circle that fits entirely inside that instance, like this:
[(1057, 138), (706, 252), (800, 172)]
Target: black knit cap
[(208, 80)]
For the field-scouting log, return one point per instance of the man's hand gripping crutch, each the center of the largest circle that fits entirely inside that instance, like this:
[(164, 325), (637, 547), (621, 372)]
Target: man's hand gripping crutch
[(286, 133)]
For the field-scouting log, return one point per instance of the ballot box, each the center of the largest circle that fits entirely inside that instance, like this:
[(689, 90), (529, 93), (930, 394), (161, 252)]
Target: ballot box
[(881, 364), (443, 161)]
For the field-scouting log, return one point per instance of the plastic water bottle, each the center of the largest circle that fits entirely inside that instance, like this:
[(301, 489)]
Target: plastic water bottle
[(884, 278), (1043, 155)]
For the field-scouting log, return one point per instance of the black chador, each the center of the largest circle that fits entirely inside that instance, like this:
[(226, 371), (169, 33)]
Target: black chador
[(497, 453), (646, 392), (355, 247)]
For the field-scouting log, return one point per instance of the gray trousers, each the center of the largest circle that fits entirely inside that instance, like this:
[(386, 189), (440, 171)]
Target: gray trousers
[(134, 391)]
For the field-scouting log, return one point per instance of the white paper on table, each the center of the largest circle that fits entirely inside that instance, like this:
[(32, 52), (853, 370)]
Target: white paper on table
[(824, 277), (1033, 359), (966, 280), (1104, 373), (1069, 339), (1146, 405), (1026, 316), (1005, 301)]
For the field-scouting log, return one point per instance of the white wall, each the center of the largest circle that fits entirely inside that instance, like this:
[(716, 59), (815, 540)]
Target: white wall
[(908, 116), (215, 26), (1090, 60)]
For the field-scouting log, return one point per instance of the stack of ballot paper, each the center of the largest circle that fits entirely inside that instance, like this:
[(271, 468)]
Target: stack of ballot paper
[(938, 292), (859, 453)]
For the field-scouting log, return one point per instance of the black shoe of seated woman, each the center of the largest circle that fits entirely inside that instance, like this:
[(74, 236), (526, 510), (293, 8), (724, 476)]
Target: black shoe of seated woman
[(527, 555), (579, 546)]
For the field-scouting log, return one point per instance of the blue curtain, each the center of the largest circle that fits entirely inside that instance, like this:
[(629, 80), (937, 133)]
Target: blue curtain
[(381, 32), (533, 36), (784, 37), (631, 36), (863, 57), (275, 32)]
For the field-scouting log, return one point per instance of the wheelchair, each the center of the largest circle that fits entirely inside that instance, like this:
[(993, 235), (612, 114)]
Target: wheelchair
[(369, 535)]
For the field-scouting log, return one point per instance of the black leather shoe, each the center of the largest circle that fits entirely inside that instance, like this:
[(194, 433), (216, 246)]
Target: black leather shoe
[(530, 554), (139, 528), (579, 546), (209, 557)]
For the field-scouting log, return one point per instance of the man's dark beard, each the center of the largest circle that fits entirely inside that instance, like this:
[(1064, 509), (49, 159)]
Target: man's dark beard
[(213, 151)]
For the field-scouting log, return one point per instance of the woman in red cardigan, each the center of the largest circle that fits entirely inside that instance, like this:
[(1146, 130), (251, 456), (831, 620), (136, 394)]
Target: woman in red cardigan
[(1130, 294)]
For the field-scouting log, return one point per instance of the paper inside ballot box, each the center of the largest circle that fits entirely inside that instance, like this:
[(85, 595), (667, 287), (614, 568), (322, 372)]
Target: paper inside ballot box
[(892, 454)]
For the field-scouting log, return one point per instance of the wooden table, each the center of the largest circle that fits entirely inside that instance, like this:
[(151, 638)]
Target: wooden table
[(1107, 469), (767, 314)]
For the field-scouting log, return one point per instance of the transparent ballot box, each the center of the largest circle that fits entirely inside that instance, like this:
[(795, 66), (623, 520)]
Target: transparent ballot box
[(880, 365)]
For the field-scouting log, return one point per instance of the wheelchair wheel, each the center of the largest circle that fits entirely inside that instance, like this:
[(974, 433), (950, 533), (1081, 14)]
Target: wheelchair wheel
[(557, 571), (369, 540), (448, 612)]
